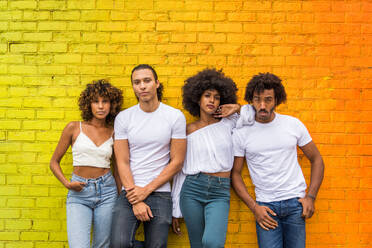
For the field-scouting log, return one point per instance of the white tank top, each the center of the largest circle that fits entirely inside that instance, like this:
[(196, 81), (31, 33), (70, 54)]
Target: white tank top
[(86, 153)]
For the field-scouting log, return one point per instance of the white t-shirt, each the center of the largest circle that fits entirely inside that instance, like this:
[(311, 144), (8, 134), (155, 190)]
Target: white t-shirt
[(271, 153), (149, 136)]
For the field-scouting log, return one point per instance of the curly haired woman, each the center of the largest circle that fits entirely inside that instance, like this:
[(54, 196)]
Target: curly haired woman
[(93, 189), (201, 192)]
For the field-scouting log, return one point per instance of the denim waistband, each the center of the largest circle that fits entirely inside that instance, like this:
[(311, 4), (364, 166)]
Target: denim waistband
[(91, 180), (206, 177)]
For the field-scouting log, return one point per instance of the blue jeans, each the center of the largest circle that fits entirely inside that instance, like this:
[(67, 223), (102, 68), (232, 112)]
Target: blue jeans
[(125, 223), (205, 203), (93, 204), (290, 232)]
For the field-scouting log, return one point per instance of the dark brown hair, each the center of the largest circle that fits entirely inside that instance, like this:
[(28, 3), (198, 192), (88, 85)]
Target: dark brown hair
[(100, 88)]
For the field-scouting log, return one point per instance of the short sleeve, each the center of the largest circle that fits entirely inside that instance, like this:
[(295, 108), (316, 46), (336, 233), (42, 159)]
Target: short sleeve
[(179, 127), (303, 134), (120, 127), (238, 145)]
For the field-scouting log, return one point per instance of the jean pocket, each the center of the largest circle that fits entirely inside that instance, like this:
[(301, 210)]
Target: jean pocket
[(74, 179)]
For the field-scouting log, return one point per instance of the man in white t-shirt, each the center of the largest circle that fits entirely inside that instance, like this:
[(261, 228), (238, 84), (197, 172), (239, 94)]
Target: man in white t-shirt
[(270, 149), (150, 146)]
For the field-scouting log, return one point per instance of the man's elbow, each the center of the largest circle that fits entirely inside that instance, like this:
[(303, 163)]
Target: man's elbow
[(178, 166)]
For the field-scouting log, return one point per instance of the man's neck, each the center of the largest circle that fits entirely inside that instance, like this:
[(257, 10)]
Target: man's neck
[(272, 117), (149, 106)]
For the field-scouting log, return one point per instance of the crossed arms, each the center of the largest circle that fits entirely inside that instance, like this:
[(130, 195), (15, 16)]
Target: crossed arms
[(136, 194)]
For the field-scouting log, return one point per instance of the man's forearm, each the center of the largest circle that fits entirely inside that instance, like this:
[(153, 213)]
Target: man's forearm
[(316, 178), (165, 176), (241, 190), (126, 177)]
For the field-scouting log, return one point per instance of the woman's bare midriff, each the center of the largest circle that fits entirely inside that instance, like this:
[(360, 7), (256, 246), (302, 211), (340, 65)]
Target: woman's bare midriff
[(219, 174), (89, 171)]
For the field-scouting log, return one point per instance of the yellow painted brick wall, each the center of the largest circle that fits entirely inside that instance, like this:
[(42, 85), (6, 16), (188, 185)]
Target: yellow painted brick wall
[(49, 49)]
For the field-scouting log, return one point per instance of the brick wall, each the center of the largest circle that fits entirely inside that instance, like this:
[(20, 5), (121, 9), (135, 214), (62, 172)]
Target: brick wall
[(49, 49)]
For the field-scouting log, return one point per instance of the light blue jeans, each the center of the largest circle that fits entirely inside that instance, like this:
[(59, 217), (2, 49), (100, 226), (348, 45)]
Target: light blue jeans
[(290, 232), (205, 203), (92, 205)]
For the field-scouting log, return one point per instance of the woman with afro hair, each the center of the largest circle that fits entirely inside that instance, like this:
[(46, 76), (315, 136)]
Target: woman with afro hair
[(201, 191), (92, 190)]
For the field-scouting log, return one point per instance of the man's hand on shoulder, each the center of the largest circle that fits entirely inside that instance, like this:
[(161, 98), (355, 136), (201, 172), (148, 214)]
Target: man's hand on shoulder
[(142, 211), (308, 207), (137, 194), (261, 213)]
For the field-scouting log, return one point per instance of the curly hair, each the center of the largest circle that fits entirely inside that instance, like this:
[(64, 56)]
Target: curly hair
[(265, 81), (207, 79), (159, 90), (100, 88)]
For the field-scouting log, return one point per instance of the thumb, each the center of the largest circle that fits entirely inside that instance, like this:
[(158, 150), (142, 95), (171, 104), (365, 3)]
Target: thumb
[(149, 212)]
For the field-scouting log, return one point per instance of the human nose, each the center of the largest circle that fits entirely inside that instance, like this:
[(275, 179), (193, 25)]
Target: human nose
[(142, 85), (262, 104), (100, 104)]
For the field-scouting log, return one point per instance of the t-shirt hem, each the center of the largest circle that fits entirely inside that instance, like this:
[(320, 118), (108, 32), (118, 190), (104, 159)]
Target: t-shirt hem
[(178, 137), (300, 195), (305, 143), (120, 138)]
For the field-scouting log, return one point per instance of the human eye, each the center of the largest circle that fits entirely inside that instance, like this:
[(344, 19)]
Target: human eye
[(268, 100)]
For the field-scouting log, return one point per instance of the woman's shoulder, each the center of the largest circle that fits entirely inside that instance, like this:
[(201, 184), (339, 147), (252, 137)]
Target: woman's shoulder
[(72, 127), (191, 127)]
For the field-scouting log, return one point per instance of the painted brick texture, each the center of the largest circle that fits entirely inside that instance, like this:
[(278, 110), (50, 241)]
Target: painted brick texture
[(50, 49)]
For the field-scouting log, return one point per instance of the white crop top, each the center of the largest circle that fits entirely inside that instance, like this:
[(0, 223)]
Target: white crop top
[(86, 153)]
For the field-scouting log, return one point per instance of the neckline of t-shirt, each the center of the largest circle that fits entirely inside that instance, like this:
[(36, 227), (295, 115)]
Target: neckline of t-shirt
[(149, 113), (269, 123), (205, 127)]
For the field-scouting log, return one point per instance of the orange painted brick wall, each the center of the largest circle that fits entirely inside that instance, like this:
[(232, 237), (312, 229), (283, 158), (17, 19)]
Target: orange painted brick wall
[(49, 49)]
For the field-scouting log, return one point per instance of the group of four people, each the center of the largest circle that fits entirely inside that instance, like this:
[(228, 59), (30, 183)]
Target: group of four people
[(152, 146)]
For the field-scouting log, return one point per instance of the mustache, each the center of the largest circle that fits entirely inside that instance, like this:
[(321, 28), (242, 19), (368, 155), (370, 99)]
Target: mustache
[(263, 110)]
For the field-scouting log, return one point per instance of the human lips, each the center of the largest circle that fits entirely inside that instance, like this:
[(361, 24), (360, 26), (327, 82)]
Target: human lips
[(211, 106)]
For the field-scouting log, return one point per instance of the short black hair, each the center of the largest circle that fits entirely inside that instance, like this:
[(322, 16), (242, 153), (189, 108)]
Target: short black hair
[(265, 81), (159, 90), (207, 79)]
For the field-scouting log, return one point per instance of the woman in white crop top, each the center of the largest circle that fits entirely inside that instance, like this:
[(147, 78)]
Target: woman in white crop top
[(92, 189), (201, 191)]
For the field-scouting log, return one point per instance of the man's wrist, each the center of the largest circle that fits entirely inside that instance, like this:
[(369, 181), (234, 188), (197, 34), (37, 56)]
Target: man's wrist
[(148, 190), (310, 196)]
